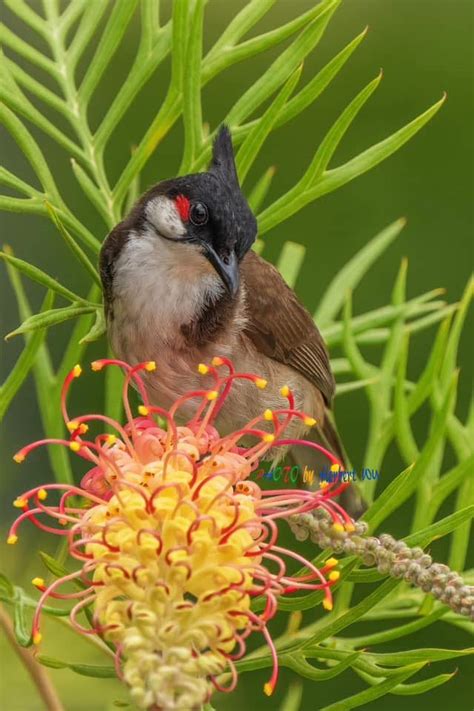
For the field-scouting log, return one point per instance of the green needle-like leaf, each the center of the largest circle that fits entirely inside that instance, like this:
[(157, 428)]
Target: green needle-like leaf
[(332, 627), (45, 386), (78, 252), (389, 635), (306, 96), (337, 177), (252, 144), (10, 39), (374, 692), (330, 180), (353, 271), (391, 498), (54, 567), (360, 366), (260, 190), (421, 687), (12, 96), (415, 656), (92, 192), (25, 13), (290, 262), (25, 362), (37, 275), (117, 23), (143, 67), (191, 82), (92, 670), (449, 483), (13, 181), (35, 87), (30, 148), (20, 625), (97, 330), (292, 700), (336, 133), (283, 66), (298, 663), (7, 590), (87, 27), (440, 528), (50, 318)]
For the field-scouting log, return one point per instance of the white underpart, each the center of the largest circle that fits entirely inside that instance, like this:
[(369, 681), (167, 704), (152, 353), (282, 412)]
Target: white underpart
[(159, 286)]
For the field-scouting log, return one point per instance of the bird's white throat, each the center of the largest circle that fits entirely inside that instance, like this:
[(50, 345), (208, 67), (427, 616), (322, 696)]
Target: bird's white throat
[(159, 286)]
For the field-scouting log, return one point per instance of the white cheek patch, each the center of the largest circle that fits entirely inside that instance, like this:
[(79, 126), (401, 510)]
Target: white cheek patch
[(164, 216)]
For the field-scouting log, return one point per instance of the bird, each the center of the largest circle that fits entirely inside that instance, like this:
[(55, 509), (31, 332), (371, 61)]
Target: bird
[(182, 285)]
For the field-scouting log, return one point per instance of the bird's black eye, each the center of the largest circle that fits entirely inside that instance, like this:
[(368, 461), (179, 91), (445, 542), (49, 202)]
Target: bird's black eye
[(198, 214)]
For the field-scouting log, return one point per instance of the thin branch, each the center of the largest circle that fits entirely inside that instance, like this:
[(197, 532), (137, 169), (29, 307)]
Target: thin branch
[(38, 673)]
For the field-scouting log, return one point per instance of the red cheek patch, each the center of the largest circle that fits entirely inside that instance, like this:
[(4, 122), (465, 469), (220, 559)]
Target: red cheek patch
[(182, 204)]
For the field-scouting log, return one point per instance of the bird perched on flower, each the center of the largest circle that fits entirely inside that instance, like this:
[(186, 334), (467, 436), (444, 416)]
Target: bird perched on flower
[(181, 284)]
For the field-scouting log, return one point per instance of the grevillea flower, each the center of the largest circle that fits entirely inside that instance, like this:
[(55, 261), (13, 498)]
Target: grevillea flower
[(172, 539)]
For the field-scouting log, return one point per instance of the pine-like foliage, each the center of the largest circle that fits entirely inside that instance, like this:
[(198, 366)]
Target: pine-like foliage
[(59, 107)]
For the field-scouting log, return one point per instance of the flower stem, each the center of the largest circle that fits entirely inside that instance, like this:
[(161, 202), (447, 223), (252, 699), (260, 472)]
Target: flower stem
[(38, 673)]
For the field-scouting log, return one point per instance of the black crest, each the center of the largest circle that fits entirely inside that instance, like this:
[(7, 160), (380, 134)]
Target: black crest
[(223, 161)]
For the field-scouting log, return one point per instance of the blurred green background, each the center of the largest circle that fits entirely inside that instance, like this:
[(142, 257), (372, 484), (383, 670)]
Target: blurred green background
[(424, 48)]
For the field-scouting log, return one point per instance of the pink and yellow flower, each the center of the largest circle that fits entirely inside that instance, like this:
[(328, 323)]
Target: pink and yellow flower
[(173, 541)]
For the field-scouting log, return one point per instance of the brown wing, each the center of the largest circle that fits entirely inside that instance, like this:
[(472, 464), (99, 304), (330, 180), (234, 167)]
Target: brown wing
[(281, 327)]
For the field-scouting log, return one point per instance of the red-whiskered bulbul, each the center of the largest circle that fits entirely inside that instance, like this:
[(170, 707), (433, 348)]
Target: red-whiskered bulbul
[(181, 285)]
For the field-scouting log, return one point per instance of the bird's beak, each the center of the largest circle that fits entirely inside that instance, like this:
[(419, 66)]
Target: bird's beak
[(227, 267)]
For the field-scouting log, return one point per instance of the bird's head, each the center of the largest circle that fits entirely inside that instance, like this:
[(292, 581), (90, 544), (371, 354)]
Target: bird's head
[(205, 212)]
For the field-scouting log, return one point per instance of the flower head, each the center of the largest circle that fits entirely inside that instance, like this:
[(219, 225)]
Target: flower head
[(172, 539)]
